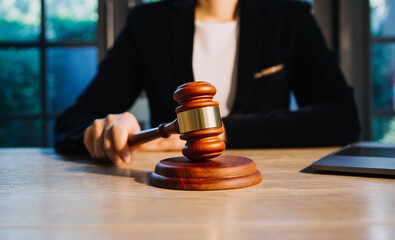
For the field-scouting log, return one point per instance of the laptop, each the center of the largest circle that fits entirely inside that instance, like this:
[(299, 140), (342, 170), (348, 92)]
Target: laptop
[(360, 157)]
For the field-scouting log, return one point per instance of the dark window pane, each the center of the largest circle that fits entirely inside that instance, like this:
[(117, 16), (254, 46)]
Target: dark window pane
[(384, 129), (383, 75), (69, 72), (20, 20), (382, 18), (20, 87), (71, 20), (21, 133)]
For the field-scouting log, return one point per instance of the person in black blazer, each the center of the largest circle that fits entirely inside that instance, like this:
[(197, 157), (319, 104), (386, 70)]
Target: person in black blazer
[(154, 53)]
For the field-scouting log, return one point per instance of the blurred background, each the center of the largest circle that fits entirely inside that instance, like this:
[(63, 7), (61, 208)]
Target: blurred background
[(50, 49)]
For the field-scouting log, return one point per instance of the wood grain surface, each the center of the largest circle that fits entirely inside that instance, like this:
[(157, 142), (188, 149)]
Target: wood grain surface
[(47, 196)]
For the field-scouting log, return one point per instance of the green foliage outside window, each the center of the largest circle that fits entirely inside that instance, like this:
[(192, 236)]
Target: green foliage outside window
[(21, 67), (387, 134), (72, 20), (382, 74), (378, 13), (20, 20), (382, 69), (20, 89)]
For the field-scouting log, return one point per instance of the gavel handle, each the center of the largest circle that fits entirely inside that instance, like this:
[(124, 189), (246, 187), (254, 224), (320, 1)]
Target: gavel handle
[(164, 130)]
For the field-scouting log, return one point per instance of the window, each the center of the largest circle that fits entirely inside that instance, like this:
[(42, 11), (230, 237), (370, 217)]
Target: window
[(48, 55), (382, 51)]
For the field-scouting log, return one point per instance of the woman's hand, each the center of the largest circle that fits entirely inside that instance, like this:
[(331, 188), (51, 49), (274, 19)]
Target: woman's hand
[(107, 138)]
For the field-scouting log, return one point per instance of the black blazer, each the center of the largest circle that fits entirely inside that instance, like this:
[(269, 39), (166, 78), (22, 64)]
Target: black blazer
[(154, 53)]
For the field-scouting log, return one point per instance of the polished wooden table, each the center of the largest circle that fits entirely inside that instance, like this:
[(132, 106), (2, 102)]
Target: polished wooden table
[(47, 196)]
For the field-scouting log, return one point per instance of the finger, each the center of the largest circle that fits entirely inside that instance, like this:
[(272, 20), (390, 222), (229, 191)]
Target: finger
[(97, 136), (88, 141), (121, 130), (108, 145)]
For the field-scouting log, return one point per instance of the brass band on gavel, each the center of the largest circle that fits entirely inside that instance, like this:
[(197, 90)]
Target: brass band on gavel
[(199, 119)]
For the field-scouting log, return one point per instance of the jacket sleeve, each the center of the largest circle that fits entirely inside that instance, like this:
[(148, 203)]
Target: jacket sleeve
[(113, 90), (327, 112)]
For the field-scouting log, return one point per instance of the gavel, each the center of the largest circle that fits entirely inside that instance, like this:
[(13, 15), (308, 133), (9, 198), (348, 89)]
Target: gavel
[(198, 122)]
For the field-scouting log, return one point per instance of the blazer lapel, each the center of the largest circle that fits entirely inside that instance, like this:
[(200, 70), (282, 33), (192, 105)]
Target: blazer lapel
[(252, 26), (182, 31)]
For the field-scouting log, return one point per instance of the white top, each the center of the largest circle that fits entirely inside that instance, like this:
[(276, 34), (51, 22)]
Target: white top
[(215, 59)]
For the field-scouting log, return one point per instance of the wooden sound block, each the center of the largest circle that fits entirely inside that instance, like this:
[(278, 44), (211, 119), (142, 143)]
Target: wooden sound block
[(223, 172)]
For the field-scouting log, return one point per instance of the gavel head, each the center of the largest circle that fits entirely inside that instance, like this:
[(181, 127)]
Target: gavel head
[(199, 120)]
